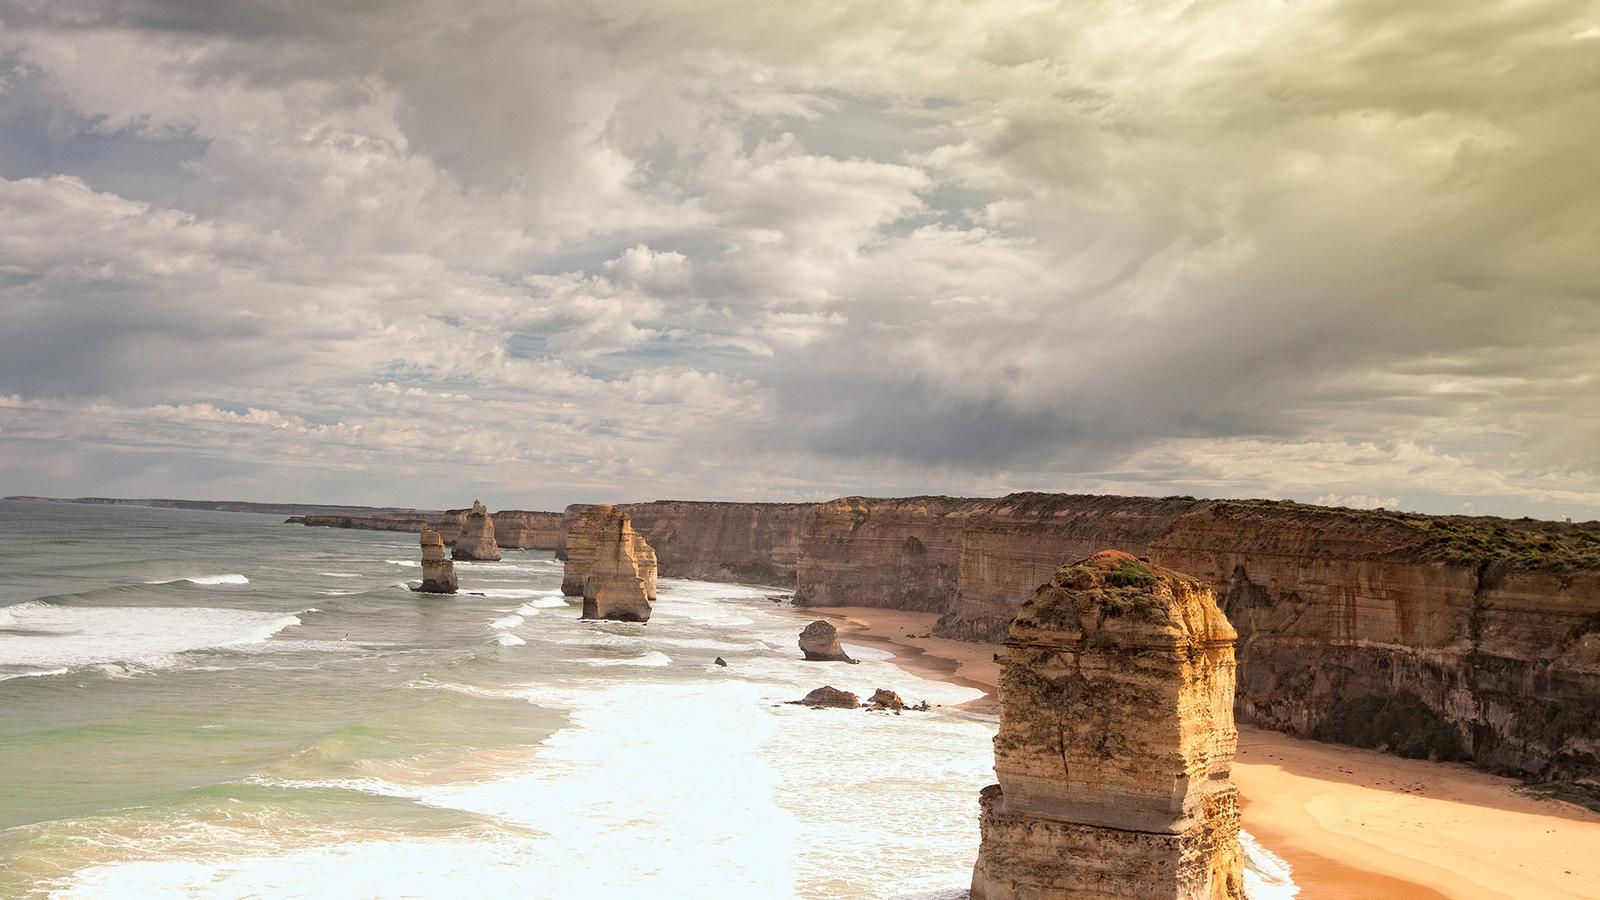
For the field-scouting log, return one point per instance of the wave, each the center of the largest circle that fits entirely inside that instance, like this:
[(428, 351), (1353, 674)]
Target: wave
[(46, 637), (528, 609), (411, 564), (511, 621), (540, 597), (206, 580), (1266, 875), (508, 640), (653, 659), (340, 574)]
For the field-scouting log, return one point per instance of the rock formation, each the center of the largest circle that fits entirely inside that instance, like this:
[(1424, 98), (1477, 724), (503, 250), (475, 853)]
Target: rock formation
[(884, 698), (820, 641), (1492, 626), (476, 540), (1116, 741), (438, 572), (612, 565), (829, 696)]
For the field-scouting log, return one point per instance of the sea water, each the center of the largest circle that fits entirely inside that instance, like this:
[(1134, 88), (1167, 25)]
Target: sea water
[(198, 704)]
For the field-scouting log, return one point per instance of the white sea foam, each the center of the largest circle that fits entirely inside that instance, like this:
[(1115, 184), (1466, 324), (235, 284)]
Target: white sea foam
[(340, 574), (207, 580), (528, 609), (54, 636), (520, 594), (408, 563), (508, 640), (1266, 875), (511, 621), (654, 659)]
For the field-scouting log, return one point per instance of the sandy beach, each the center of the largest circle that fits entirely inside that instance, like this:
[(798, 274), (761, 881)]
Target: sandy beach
[(1352, 823)]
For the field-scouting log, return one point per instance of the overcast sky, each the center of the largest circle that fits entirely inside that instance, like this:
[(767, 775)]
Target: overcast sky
[(419, 251)]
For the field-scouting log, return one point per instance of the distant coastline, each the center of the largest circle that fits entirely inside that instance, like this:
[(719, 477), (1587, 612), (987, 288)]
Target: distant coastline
[(241, 506)]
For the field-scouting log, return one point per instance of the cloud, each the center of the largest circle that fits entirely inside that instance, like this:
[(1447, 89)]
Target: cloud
[(708, 249)]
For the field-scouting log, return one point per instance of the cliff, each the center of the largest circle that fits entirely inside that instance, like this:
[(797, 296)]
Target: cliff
[(475, 536), (1116, 742), (438, 572), (756, 543), (1486, 631)]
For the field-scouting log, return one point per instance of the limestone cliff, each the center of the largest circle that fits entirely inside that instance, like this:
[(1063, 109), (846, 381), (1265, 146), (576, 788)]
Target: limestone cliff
[(516, 528), (619, 578), (1116, 742), (438, 572), (755, 543), (475, 540), (901, 554)]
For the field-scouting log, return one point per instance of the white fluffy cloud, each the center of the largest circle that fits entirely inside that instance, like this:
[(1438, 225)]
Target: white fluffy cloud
[(622, 250)]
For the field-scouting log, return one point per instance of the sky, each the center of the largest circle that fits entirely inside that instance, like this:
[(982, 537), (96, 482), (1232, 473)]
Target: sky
[(415, 252)]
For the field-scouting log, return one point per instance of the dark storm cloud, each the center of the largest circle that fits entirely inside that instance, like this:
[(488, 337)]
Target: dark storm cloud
[(1339, 249)]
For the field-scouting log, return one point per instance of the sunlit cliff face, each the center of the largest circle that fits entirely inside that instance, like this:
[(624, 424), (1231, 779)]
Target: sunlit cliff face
[(1331, 251)]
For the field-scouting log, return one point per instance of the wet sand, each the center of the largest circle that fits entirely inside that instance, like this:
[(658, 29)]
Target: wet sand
[(1351, 823)]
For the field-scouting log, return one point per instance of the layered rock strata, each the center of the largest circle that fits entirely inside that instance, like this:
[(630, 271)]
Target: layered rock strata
[(830, 697), (820, 641), (1116, 742), (753, 543), (593, 528), (438, 572), (475, 539), (515, 528), (614, 564)]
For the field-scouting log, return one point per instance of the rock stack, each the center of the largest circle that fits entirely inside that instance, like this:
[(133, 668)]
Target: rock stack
[(820, 641), (613, 567), (476, 540), (438, 572), (1116, 742), (594, 527)]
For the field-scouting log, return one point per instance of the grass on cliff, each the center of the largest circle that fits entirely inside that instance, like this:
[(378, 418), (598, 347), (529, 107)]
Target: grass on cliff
[(1477, 541), (1400, 723)]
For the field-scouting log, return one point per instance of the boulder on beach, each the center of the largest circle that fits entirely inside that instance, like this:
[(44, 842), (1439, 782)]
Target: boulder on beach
[(722, 662), (820, 641), (883, 698), (438, 572), (829, 696)]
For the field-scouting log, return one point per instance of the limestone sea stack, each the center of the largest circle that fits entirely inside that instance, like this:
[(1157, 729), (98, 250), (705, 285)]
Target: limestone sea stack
[(476, 540), (620, 578), (820, 641), (1116, 742), (593, 527), (438, 572)]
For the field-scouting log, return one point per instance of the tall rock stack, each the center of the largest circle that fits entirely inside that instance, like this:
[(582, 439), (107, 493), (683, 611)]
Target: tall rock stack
[(610, 566), (596, 526), (476, 540), (1116, 742), (438, 572)]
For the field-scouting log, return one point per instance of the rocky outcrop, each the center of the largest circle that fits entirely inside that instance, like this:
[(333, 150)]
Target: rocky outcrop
[(883, 698), (1116, 742), (438, 572), (829, 697), (820, 641), (475, 540), (613, 565)]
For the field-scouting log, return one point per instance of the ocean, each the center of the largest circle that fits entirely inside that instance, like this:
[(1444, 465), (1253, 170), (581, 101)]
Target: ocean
[(199, 704)]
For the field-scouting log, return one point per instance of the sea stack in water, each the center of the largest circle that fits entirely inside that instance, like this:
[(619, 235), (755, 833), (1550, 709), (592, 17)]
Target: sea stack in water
[(438, 572), (1116, 742), (820, 641), (616, 567), (595, 526), (476, 540)]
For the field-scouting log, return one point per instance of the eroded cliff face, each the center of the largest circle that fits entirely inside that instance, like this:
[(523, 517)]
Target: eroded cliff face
[(900, 554), (475, 538), (518, 528), (1334, 607), (590, 540), (438, 572), (755, 543), (1116, 742)]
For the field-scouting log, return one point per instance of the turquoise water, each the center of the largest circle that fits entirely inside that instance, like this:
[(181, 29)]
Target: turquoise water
[(212, 704), (220, 705)]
